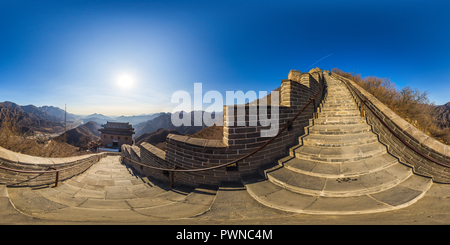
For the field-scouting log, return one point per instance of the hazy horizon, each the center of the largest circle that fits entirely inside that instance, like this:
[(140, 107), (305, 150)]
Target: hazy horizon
[(129, 57), (108, 115)]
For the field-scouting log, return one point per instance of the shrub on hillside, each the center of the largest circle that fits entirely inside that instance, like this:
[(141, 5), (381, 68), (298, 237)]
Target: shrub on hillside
[(12, 139)]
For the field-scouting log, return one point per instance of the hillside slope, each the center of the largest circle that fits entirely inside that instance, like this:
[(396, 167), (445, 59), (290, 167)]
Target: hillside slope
[(28, 120), (212, 133), (443, 115), (159, 136), (165, 121), (82, 134)]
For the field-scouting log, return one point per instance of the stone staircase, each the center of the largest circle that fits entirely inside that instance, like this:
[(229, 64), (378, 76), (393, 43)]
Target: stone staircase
[(109, 191), (338, 167)]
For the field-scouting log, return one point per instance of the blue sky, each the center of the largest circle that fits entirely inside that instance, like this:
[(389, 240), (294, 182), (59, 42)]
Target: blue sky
[(74, 52)]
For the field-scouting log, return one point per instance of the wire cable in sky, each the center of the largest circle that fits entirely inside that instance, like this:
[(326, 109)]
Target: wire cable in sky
[(318, 61)]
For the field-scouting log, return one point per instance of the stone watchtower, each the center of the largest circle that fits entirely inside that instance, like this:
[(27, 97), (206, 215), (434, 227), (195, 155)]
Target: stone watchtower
[(115, 134), (295, 75)]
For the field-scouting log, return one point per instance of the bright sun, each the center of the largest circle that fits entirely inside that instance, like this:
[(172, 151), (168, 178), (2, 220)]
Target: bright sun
[(125, 81)]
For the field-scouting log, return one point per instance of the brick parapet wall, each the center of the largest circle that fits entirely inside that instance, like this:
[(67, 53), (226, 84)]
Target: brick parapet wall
[(422, 142), (10, 159), (186, 152)]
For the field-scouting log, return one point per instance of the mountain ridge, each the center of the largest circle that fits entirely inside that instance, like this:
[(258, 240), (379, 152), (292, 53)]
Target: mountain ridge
[(27, 121), (165, 121), (81, 135), (443, 115)]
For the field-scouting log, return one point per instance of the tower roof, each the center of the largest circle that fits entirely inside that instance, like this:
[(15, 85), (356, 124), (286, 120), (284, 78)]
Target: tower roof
[(117, 128)]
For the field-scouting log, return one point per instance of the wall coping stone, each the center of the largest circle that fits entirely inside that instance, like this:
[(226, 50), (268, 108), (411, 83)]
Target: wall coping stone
[(197, 141), (154, 150), (35, 160)]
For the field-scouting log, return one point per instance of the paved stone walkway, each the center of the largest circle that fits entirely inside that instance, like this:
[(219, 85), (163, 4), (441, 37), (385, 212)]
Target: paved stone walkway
[(84, 200), (109, 192)]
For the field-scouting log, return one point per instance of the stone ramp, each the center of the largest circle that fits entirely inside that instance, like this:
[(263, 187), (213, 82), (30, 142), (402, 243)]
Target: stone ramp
[(233, 202), (109, 191), (7, 208), (338, 167), (278, 197)]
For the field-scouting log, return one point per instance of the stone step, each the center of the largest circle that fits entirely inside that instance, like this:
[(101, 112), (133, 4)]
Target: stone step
[(337, 129), (336, 88), (339, 186), (339, 120), (52, 203), (338, 154), (195, 203), (28, 201), (334, 105), (338, 93), (7, 210), (110, 186), (333, 102), (232, 202), (338, 170), (339, 140), (340, 113), (404, 194), (334, 109), (351, 105)]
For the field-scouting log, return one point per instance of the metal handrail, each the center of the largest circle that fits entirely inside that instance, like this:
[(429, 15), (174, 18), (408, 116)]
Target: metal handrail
[(363, 102), (312, 100), (45, 171)]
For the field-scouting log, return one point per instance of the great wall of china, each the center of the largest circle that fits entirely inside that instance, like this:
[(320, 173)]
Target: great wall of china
[(190, 153), (331, 160)]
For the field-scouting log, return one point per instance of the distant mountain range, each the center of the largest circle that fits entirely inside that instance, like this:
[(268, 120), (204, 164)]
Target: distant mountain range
[(50, 119), (30, 118), (165, 121), (102, 119)]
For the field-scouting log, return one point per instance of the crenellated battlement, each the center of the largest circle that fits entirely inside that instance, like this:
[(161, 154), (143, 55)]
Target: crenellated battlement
[(295, 75)]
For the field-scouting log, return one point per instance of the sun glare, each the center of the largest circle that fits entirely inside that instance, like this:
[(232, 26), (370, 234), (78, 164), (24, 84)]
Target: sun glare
[(125, 81)]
